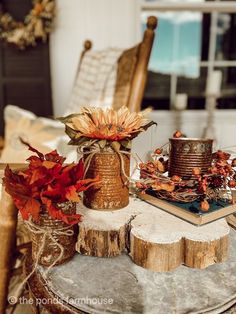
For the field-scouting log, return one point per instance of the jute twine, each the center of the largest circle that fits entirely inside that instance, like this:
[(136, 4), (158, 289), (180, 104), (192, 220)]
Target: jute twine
[(95, 149), (47, 232)]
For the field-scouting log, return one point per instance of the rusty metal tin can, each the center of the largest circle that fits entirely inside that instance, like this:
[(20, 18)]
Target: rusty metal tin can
[(51, 251), (188, 153), (113, 191)]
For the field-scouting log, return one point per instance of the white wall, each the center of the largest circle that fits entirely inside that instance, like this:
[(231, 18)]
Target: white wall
[(105, 22)]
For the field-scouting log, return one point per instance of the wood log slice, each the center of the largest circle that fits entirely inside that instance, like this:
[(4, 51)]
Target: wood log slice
[(154, 239), (104, 233), (162, 242)]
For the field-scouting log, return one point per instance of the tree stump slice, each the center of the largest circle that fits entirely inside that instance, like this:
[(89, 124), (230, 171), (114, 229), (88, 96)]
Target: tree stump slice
[(161, 242), (104, 233), (153, 238)]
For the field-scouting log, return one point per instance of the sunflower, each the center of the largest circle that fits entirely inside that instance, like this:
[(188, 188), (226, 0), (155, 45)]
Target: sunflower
[(105, 124)]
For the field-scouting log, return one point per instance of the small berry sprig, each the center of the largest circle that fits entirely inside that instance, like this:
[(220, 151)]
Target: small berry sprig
[(220, 176), (205, 187)]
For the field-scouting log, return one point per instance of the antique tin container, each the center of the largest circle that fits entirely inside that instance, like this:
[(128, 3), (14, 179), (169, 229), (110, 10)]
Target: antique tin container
[(188, 153), (113, 191), (51, 251)]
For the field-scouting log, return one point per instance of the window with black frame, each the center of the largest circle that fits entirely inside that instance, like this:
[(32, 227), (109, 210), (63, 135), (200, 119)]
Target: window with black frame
[(188, 47)]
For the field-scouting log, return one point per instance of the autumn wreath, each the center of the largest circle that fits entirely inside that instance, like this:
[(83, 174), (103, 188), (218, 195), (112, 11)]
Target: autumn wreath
[(215, 184), (36, 26)]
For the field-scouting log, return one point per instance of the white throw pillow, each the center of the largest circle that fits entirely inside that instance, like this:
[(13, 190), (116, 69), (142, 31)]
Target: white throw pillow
[(41, 133)]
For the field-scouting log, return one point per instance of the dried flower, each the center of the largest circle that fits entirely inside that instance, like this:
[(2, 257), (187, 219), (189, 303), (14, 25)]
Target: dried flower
[(221, 155), (37, 25), (105, 125)]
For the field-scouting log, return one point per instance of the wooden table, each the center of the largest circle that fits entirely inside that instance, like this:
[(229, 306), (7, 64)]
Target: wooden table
[(134, 289)]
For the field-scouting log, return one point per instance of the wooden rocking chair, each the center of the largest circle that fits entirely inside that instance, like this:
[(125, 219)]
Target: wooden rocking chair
[(131, 71)]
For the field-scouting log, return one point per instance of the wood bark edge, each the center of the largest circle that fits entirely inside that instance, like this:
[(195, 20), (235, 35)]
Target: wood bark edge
[(154, 255)]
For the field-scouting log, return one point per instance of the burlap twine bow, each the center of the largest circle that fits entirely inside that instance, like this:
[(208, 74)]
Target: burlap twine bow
[(46, 232), (96, 149)]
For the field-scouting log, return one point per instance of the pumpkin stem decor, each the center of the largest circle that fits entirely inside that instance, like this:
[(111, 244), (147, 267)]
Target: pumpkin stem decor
[(45, 184)]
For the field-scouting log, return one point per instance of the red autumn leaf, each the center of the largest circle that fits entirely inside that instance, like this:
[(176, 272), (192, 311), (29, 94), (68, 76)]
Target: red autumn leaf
[(15, 184), (55, 157), (69, 167), (63, 177), (28, 207), (71, 194), (37, 174), (34, 162), (71, 219), (46, 182), (221, 155), (20, 205), (83, 185), (56, 194), (56, 213), (41, 156), (77, 173)]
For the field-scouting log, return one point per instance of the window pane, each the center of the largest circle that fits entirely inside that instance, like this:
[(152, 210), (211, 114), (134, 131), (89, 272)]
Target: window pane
[(228, 98), (172, 52), (182, 41), (226, 44)]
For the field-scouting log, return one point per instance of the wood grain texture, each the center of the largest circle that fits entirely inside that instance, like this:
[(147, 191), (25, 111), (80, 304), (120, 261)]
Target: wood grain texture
[(157, 256), (140, 75), (162, 242), (154, 239), (103, 233), (8, 222), (200, 254), (136, 82), (101, 243)]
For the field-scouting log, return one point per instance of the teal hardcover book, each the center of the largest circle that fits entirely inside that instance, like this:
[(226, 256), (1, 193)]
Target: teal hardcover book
[(190, 211)]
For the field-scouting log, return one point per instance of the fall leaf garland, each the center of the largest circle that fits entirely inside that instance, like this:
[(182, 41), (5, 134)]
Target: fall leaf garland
[(45, 183), (37, 25)]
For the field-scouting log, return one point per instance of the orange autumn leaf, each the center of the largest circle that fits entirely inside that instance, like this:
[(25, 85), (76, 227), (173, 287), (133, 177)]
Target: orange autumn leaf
[(36, 175), (72, 195), (28, 207), (48, 164), (56, 213), (47, 182), (83, 185)]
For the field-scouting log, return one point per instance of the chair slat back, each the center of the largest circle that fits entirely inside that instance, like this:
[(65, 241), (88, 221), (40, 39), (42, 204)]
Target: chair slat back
[(130, 86)]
